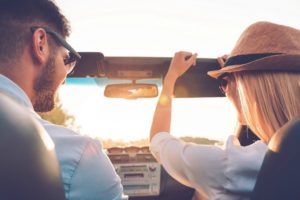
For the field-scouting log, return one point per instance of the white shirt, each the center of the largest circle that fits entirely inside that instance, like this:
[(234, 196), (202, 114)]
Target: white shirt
[(215, 172), (86, 171)]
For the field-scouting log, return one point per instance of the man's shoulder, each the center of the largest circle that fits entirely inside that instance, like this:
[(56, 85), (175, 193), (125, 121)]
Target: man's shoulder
[(65, 138), (71, 149)]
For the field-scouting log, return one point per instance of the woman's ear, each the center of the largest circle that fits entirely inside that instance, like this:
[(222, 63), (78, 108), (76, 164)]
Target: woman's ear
[(40, 45)]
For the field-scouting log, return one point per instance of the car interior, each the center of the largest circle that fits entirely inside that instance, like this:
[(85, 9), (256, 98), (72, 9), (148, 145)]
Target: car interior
[(142, 177)]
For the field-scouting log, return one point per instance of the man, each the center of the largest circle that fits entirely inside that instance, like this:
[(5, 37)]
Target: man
[(34, 61)]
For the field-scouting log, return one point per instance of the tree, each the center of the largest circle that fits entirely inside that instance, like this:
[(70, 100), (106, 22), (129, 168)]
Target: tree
[(60, 116), (108, 143)]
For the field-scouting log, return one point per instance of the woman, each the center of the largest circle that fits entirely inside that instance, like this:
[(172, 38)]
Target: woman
[(261, 77)]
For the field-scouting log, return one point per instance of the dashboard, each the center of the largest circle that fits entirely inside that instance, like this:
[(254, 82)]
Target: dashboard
[(143, 178)]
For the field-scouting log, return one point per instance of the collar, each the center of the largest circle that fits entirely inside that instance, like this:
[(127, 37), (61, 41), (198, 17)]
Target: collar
[(11, 89)]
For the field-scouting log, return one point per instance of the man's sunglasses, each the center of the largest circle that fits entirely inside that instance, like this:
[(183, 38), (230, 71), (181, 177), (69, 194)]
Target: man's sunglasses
[(73, 55)]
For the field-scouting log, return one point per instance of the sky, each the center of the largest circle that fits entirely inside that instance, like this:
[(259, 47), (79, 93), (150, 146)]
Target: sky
[(160, 28)]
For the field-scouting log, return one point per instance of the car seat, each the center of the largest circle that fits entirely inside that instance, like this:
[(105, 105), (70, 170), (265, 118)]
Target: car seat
[(28, 167), (279, 177)]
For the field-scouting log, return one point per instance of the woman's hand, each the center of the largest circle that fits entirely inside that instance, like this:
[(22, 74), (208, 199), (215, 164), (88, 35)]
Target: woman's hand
[(180, 63), (222, 60)]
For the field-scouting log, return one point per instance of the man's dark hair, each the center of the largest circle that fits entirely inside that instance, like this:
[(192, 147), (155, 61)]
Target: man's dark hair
[(16, 18)]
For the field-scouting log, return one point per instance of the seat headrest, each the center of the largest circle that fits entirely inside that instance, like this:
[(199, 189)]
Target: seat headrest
[(29, 168), (288, 135)]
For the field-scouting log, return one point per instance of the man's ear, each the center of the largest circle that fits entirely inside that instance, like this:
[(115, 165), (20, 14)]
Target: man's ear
[(40, 45)]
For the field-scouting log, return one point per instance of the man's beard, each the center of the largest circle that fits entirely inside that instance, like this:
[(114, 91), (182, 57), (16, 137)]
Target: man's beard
[(44, 88)]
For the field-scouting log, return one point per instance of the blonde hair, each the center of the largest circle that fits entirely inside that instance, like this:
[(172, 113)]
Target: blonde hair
[(268, 100)]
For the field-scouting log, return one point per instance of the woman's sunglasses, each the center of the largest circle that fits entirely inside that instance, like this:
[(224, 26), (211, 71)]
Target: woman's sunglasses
[(223, 82)]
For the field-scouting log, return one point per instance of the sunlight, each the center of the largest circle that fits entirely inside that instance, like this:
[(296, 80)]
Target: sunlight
[(121, 119), (48, 142), (131, 28)]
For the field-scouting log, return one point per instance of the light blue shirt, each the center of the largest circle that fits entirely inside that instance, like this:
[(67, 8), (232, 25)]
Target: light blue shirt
[(86, 170)]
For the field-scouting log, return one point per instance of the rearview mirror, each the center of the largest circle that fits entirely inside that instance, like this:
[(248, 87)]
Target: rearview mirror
[(131, 91)]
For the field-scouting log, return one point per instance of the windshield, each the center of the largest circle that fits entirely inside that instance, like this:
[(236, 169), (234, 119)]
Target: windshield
[(125, 120), (158, 28)]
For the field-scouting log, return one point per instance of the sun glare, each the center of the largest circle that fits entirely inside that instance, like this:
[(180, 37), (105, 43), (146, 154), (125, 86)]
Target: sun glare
[(122, 119)]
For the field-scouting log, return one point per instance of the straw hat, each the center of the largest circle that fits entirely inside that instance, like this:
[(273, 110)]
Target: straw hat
[(264, 46)]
